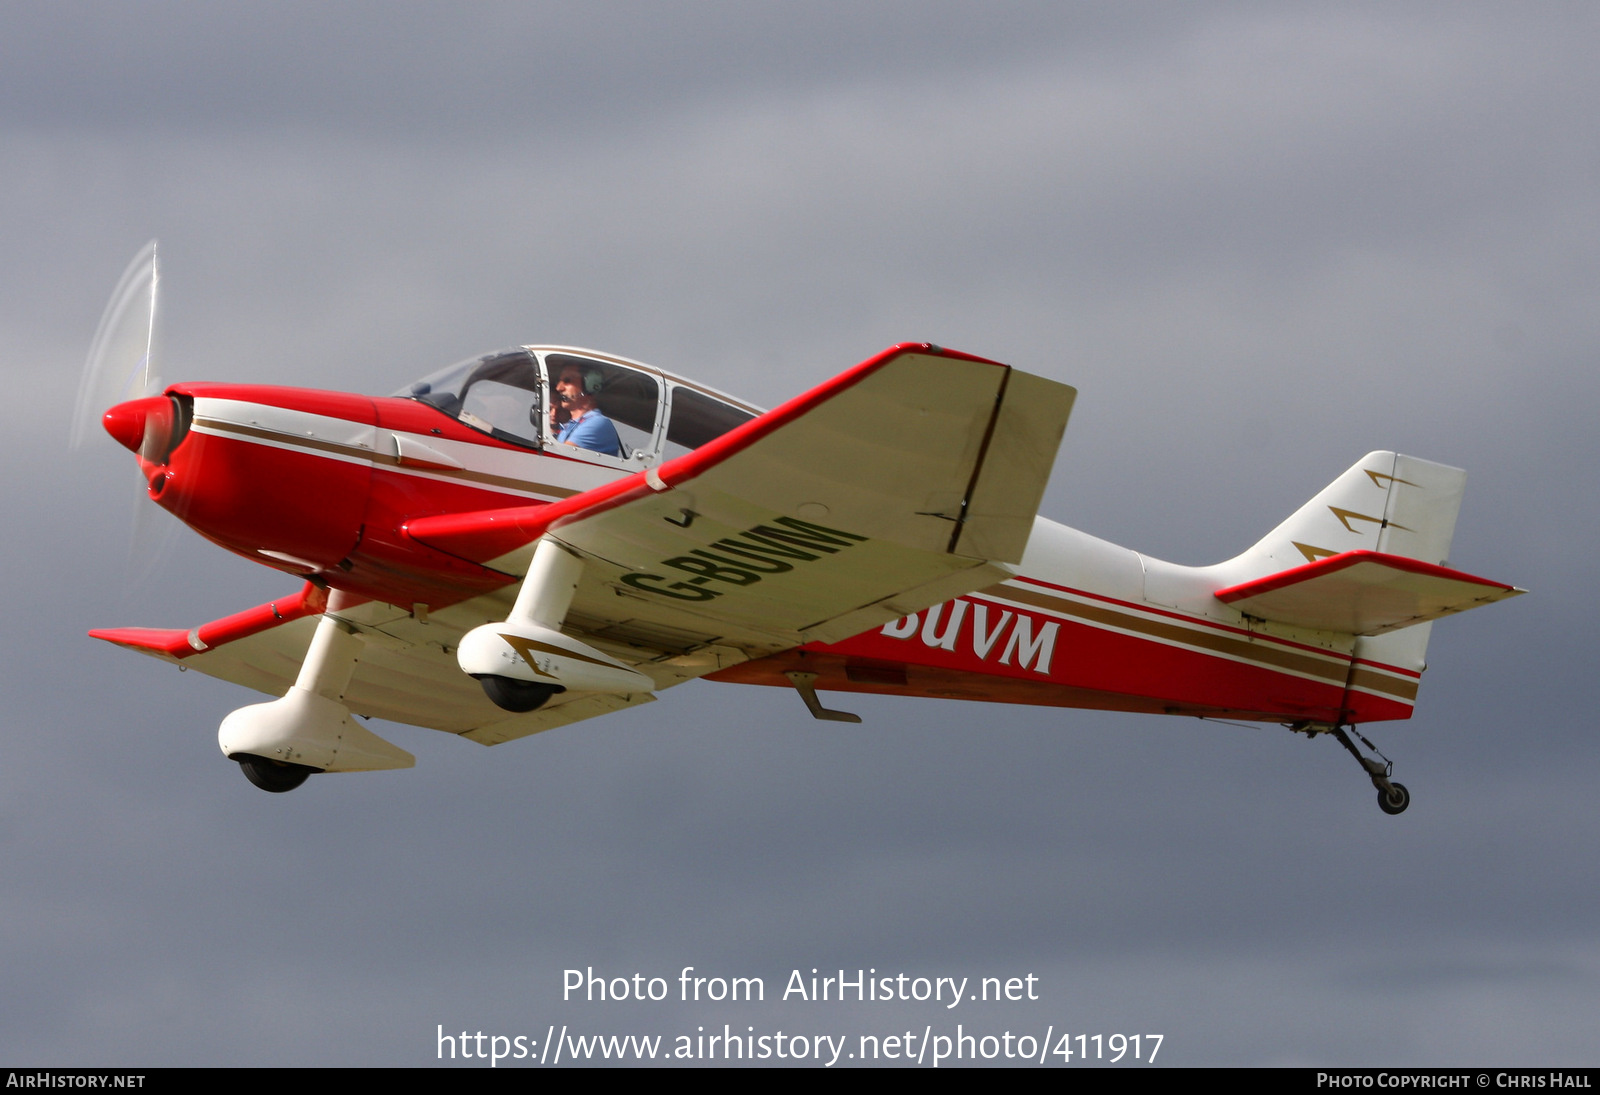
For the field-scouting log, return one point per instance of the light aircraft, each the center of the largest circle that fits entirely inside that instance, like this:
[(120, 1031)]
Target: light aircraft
[(463, 568)]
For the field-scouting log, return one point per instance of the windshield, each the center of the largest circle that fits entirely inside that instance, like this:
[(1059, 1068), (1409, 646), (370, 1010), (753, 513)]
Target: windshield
[(497, 393)]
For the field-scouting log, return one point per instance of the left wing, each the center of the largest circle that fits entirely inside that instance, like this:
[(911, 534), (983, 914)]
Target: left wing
[(407, 670)]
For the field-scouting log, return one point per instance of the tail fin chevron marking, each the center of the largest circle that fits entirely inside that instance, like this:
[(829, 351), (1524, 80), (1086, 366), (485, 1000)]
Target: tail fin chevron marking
[(1377, 475), (1345, 516), (1312, 554)]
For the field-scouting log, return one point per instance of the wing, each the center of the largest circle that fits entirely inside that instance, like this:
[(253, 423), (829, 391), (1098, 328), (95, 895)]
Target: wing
[(911, 479), (407, 671)]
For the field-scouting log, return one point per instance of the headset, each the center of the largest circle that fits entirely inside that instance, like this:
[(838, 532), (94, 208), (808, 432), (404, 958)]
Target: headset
[(591, 378)]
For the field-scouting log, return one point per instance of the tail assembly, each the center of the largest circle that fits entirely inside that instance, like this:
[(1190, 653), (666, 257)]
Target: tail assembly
[(1367, 557)]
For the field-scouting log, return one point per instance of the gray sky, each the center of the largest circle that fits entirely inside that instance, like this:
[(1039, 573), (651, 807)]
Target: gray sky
[(1261, 240)]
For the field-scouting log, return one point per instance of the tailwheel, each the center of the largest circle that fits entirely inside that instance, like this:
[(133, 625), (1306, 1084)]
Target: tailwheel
[(511, 694), (1395, 799), (271, 775)]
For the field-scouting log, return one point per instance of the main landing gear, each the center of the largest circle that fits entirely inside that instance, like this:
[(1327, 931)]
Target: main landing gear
[(309, 729), (1393, 798), (526, 659)]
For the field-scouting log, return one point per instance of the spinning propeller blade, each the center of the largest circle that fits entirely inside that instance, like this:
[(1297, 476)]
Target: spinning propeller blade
[(121, 367), (121, 358)]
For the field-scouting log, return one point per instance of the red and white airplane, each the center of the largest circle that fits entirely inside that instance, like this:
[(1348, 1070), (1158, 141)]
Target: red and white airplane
[(464, 568)]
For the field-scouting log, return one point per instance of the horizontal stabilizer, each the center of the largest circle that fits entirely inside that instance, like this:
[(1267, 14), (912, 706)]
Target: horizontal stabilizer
[(1363, 593)]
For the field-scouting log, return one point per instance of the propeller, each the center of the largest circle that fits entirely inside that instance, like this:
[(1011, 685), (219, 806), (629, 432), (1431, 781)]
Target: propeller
[(120, 389), (121, 358)]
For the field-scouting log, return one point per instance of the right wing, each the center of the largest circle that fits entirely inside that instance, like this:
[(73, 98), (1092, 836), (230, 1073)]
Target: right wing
[(911, 479)]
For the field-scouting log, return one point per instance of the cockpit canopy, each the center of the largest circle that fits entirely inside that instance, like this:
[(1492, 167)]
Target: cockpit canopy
[(508, 395)]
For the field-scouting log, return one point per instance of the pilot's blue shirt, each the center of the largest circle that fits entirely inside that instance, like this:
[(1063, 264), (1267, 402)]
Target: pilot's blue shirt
[(594, 431)]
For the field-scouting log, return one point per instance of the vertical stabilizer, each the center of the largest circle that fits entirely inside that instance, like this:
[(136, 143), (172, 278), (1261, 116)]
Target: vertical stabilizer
[(1387, 502)]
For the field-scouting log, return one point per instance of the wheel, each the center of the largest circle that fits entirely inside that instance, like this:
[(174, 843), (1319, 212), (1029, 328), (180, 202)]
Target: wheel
[(272, 775), (1395, 799), (519, 696)]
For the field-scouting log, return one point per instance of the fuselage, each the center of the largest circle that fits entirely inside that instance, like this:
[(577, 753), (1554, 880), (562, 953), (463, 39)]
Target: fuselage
[(1077, 628), (323, 484)]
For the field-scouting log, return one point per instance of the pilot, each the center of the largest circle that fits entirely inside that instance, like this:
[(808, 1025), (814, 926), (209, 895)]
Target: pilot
[(575, 417)]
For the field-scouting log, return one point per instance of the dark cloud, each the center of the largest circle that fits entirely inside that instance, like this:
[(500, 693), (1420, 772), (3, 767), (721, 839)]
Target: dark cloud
[(1261, 242), (405, 70)]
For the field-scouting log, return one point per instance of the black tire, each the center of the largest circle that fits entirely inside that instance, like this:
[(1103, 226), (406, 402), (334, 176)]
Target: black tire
[(511, 694), (1395, 799), (274, 776)]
